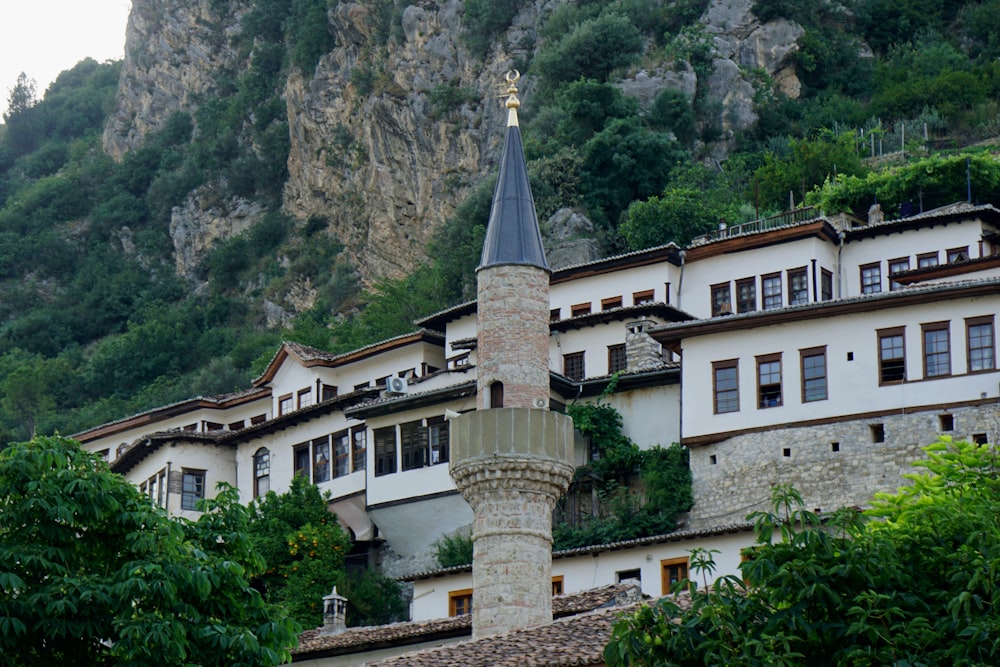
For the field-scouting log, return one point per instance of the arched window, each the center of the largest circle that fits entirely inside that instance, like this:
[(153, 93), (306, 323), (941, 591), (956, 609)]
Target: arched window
[(261, 472), (496, 395)]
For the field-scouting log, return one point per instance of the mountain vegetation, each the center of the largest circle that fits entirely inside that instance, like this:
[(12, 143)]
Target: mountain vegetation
[(96, 322)]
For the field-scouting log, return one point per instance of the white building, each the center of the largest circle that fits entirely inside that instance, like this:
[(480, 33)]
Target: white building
[(809, 349)]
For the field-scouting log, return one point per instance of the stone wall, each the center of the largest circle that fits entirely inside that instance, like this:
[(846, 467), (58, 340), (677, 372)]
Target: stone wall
[(832, 465)]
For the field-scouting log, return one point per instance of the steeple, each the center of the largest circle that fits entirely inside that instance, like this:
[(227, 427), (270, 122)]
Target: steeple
[(512, 235)]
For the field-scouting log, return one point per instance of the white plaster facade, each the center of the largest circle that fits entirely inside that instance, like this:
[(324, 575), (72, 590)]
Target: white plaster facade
[(671, 400)]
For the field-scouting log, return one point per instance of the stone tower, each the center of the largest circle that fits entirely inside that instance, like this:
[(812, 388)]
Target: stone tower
[(512, 458)]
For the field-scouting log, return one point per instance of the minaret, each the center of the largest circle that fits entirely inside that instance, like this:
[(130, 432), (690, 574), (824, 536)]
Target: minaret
[(512, 458)]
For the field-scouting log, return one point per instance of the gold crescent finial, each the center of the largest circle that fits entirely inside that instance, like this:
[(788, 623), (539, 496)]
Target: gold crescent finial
[(512, 104)]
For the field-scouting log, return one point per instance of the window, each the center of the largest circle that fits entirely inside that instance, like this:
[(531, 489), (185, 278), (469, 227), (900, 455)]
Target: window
[(385, 451), (617, 361), (437, 439), (573, 366), (192, 488), (359, 444), (898, 265), (877, 432), (236, 425), (460, 602), (301, 461), (321, 459), (555, 315), (891, 356), (258, 419), (769, 380), (579, 309), (979, 335), (207, 426), (496, 394), (771, 286), (826, 285), (725, 386), (871, 278), (673, 571), (813, 374), (612, 302), (746, 295), (639, 298), (946, 422), (798, 287), (958, 254), (261, 472), (328, 392), (557, 584), (721, 303), (341, 453), (285, 404), (382, 381), (625, 575), (937, 349), (413, 445), (362, 386), (927, 259), (305, 398)]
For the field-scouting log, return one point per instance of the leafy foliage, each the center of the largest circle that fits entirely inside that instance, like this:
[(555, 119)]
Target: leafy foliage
[(91, 573), (454, 550), (911, 582), (641, 491)]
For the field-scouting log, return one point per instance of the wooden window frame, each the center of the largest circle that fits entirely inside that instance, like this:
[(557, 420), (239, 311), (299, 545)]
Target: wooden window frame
[(359, 448), (826, 285), (555, 314), (762, 359), (460, 602), (558, 585), (799, 273), (870, 276), (282, 400), (717, 366), (774, 279), (880, 335), (321, 459), (258, 419), (741, 303), (438, 440), (580, 309), (413, 445), (954, 255), (297, 455), (923, 260), (721, 295), (340, 444), (992, 347), (897, 262), (644, 296), (261, 472), (306, 394), (682, 568), (617, 358), (190, 498), (934, 327), (386, 457), (809, 353), (611, 302), (573, 358)]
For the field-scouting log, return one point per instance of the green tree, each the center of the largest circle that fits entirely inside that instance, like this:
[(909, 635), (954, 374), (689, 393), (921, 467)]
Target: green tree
[(678, 215), (913, 581), (91, 573), (303, 546)]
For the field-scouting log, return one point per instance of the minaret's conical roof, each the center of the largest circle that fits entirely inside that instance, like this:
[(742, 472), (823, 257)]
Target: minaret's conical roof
[(513, 236)]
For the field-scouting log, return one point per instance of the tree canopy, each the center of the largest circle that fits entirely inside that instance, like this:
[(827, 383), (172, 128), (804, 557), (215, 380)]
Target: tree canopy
[(92, 573), (912, 581)]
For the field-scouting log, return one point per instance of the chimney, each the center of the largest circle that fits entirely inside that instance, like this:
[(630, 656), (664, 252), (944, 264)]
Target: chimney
[(642, 353), (875, 215), (512, 458), (334, 614)]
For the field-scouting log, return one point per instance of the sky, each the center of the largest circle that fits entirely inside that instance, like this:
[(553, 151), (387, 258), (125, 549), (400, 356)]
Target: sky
[(44, 37)]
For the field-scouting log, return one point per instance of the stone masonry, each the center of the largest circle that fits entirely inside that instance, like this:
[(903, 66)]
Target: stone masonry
[(832, 465)]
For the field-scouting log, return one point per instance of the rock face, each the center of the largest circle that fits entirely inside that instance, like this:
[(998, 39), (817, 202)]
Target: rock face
[(387, 140)]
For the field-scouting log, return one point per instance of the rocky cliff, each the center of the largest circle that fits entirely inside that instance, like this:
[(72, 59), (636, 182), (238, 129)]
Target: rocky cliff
[(374, 150)]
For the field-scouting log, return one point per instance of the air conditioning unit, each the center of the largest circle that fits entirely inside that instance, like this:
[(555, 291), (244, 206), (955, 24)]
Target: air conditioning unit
[(396, 386)]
